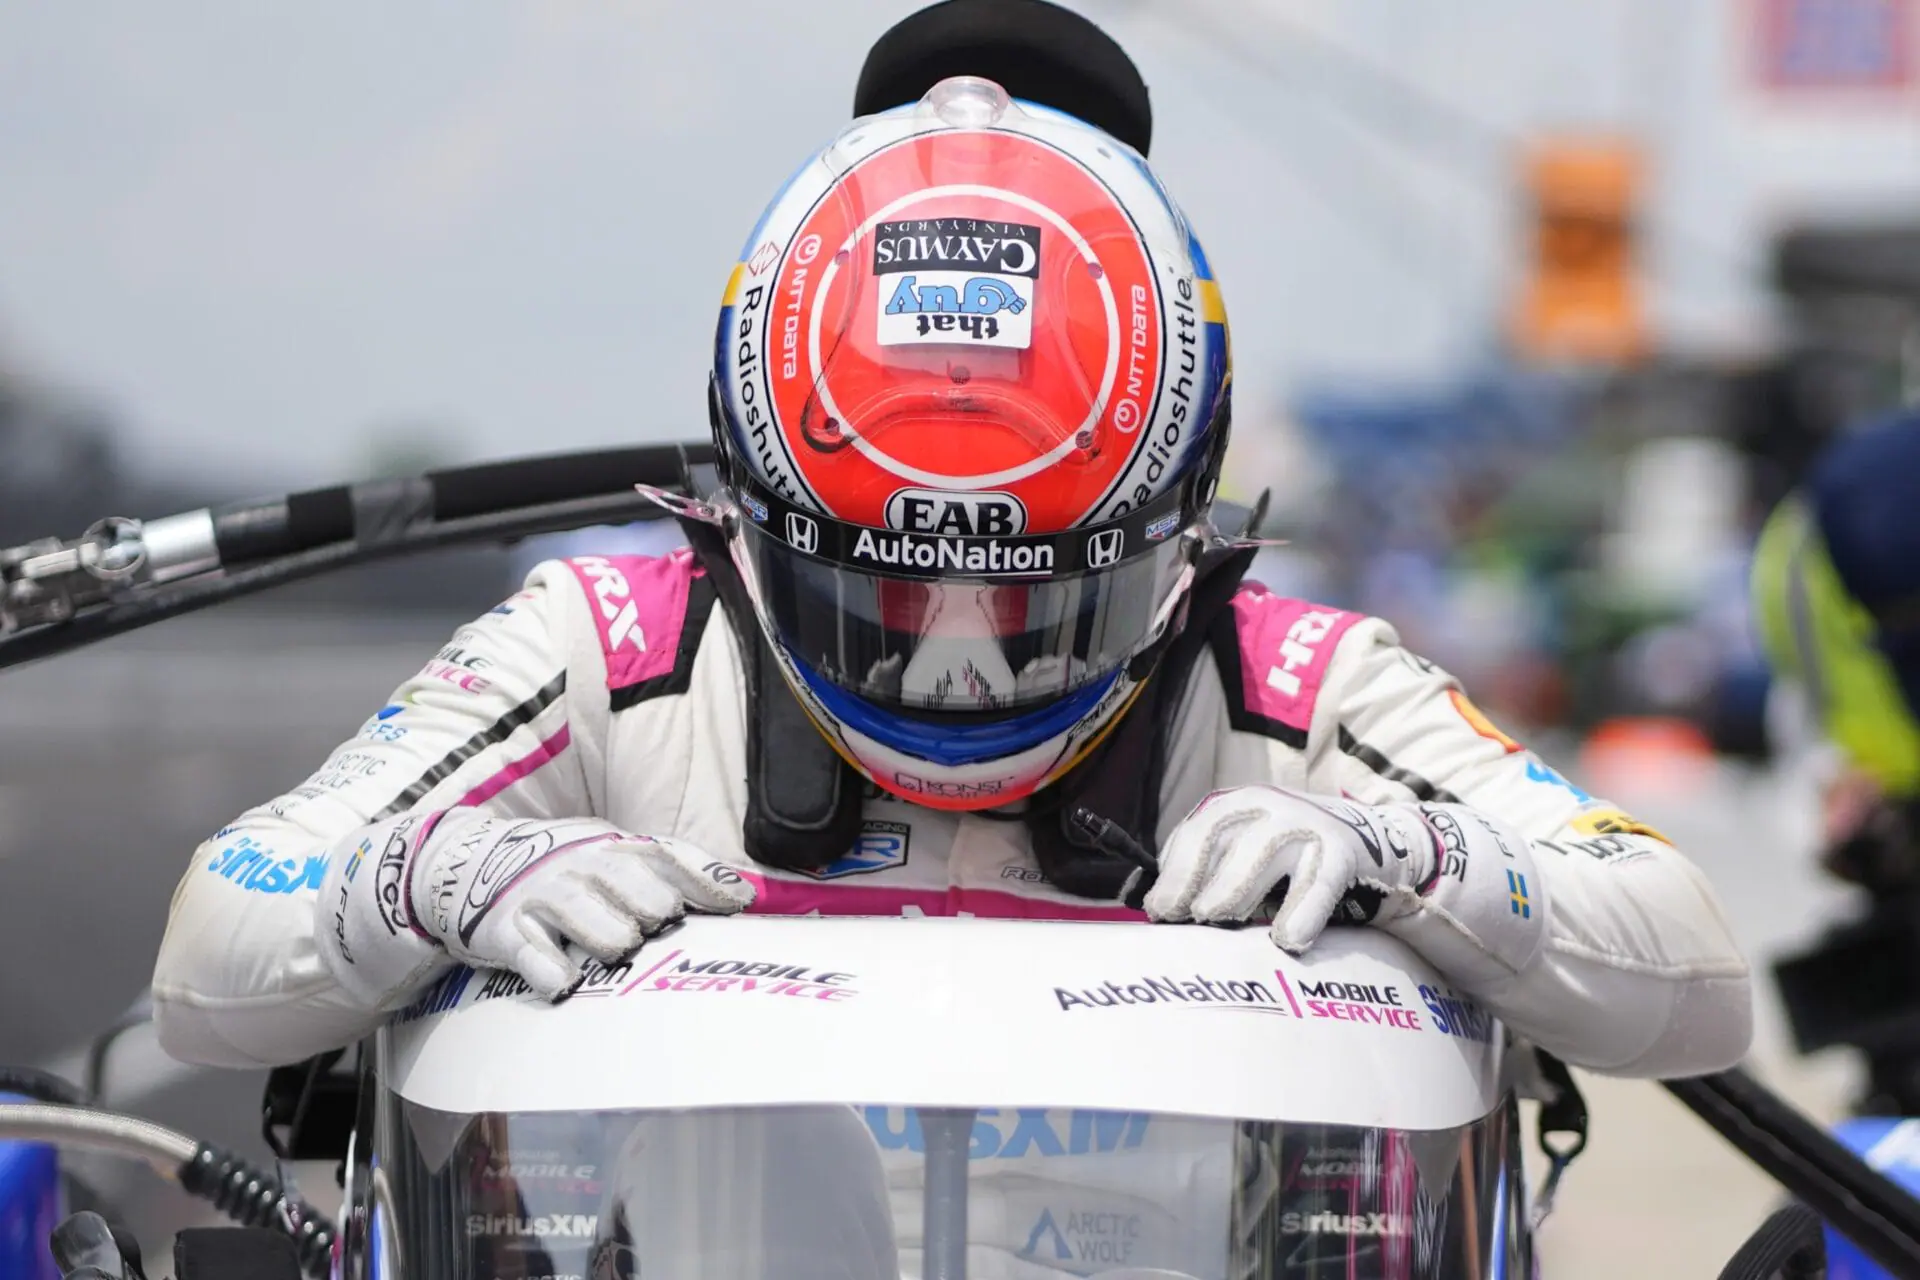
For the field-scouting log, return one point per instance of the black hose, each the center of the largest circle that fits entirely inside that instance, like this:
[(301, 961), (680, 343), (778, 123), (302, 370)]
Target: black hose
[(1813, 1166), (42, 1086), (254, 1198), (1791, 1245)]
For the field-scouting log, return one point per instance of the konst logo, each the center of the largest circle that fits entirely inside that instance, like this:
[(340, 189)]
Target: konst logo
[(934, 511), (1298, 650), (953, 790), (803, 533), (1104, 548), (880, 847)]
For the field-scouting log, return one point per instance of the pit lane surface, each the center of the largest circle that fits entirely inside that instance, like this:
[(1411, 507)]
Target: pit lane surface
[(116, 761)]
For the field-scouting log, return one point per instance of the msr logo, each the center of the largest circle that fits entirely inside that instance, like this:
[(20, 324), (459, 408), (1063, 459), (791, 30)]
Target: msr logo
[(1299, 648), (615, 598)]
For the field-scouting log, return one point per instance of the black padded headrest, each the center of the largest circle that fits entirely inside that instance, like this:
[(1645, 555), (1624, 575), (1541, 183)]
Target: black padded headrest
[(1031, 48)]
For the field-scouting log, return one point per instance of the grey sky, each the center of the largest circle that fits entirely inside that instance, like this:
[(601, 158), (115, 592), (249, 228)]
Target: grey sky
[(265, 233)]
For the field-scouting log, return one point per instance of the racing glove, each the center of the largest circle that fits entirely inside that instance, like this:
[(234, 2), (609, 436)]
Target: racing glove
[(503, 893), (1457, 885)]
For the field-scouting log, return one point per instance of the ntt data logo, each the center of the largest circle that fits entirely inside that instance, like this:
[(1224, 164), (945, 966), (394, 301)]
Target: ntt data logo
[(903, 551)]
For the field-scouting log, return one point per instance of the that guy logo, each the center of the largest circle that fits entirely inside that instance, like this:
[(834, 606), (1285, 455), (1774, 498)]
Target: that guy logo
[(956, 281)]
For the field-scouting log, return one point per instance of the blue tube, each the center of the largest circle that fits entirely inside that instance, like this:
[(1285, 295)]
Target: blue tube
[(30, 1206)]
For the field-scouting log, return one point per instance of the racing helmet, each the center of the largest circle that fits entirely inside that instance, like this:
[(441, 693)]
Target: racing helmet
[(970, 397)]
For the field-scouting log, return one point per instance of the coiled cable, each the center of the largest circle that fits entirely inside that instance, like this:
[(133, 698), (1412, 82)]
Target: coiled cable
[(235, 1186)]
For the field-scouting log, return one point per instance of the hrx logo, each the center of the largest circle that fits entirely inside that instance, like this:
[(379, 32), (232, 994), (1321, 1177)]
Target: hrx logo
[(1299, 648), (615, 598)]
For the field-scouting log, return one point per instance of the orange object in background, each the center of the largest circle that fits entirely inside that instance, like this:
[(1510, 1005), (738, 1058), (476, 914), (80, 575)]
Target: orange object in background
[(1580, 299), (1646, 755)]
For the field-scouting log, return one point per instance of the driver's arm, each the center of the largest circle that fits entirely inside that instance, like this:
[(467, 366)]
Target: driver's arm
[(239, 980), (1638, 973)]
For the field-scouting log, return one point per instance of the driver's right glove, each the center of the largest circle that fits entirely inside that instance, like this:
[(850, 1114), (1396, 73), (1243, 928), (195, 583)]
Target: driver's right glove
[(409, 893)]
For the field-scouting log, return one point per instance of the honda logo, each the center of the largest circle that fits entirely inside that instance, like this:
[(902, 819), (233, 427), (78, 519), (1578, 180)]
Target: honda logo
[(1104, 547), (802, 533)]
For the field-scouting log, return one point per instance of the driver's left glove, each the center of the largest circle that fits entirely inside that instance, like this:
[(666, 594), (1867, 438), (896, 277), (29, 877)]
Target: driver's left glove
[(1457, 885)]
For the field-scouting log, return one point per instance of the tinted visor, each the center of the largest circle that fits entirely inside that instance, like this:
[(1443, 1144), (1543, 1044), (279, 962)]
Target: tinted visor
[(962, 643)]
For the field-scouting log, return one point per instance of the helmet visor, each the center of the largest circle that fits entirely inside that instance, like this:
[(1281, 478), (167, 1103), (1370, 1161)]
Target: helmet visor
[(924, 643)]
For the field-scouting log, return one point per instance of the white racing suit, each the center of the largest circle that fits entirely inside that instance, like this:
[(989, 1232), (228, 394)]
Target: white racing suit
[(610, 687)]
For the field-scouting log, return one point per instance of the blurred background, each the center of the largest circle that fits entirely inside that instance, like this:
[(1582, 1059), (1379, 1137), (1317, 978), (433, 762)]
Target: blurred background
[(1537, 310)]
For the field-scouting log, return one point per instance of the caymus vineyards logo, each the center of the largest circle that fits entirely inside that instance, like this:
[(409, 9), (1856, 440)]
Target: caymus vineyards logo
[(962, 244)]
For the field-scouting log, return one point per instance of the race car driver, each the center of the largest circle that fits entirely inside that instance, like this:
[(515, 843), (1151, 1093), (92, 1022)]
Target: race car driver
[(970, 398)]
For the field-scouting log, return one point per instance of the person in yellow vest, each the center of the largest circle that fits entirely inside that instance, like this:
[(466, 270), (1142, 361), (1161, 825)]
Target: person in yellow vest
[(1836, 592)]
